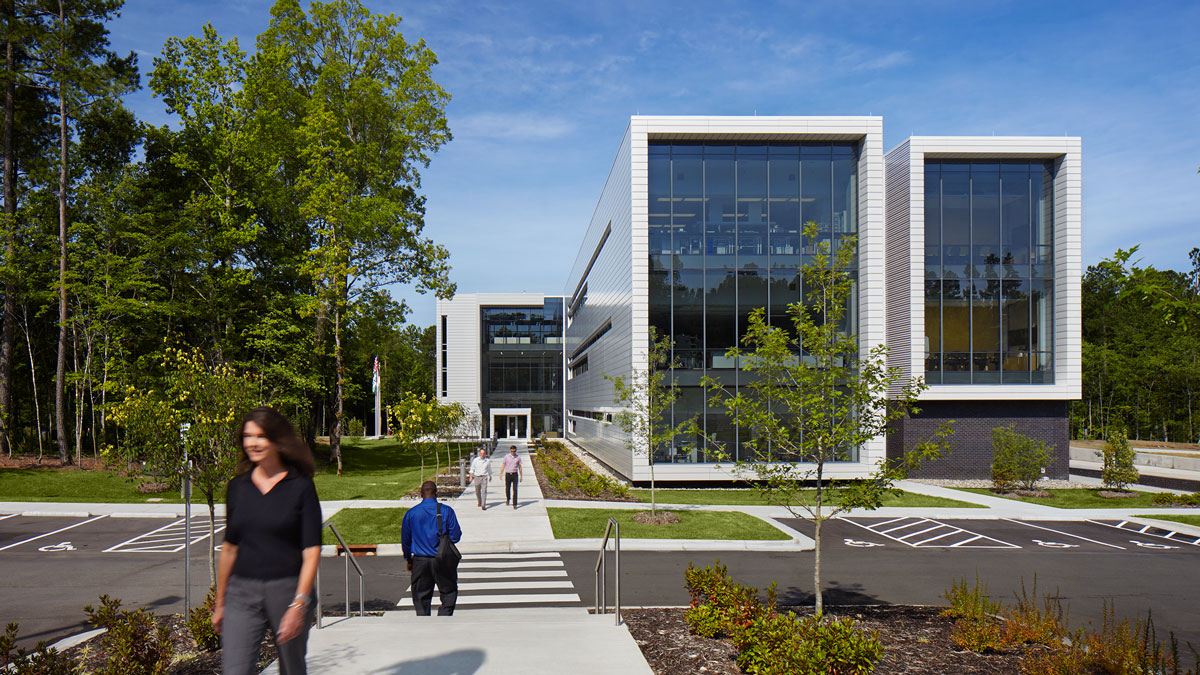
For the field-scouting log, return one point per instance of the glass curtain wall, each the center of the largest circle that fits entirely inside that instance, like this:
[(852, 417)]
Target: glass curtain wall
[(989, 273), (522, 361), (725, 238)]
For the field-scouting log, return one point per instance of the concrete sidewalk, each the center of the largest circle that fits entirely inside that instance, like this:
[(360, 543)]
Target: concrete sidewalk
[(476, 642)]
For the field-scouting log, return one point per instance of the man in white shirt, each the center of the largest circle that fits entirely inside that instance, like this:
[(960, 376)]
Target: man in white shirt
[(481, 471)]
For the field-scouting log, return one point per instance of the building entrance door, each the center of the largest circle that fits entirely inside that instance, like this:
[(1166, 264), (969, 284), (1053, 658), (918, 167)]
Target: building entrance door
[(513, 426), (511, 423)]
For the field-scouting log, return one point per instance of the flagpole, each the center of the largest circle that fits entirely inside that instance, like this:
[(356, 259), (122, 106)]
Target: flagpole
[(378, 389)]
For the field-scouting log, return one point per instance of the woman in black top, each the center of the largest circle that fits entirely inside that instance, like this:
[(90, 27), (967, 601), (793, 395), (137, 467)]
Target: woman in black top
[(272, 547)]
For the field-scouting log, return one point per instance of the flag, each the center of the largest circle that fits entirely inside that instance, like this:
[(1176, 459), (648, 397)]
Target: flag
[(375, 376)]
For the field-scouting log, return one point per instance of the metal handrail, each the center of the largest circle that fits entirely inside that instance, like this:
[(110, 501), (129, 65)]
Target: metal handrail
[(602, 596), (349, 560)]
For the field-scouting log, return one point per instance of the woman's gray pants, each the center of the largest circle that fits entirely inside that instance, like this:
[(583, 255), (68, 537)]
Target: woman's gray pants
[(251, 605)]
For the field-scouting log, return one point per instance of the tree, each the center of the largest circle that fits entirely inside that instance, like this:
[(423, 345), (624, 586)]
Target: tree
[(812, 398), (1119, 470), (197, 416), (415, 420), (80, 69), (647, 398), (362, 116)]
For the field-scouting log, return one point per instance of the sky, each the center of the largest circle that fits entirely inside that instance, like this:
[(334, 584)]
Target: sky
[(543, 90)]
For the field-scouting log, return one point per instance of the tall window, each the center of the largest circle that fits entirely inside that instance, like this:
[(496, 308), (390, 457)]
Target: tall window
[(445, 359), (523, 361), (989, 272), (725, 233)]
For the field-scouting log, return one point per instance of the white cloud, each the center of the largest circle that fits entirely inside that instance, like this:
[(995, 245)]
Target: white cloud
[(511, 127)]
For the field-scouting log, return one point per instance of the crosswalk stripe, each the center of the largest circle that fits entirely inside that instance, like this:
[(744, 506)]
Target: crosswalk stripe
[(507, 564), (504, 585), (531, 599), (514, 574)]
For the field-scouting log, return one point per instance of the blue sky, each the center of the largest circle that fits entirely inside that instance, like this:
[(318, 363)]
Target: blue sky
[(542, 92)]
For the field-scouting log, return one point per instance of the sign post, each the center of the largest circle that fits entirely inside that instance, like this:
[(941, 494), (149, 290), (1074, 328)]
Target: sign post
[(187, 521)]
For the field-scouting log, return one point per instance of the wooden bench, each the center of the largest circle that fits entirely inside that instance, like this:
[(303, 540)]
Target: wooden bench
[(359, 549)]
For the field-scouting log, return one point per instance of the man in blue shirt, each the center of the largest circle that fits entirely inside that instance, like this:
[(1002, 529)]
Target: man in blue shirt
[(419, 537)]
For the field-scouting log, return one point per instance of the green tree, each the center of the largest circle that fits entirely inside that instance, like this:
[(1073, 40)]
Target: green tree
[(415, 421), (1018, 461), (810, 397), (80, 70), (361, 114), (195, 419), (1119, 470), (647, 398)]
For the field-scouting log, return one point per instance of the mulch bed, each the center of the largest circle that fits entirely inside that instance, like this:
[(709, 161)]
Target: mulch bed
[(566, 461), (916, 639), (189, 659), (447, 484)]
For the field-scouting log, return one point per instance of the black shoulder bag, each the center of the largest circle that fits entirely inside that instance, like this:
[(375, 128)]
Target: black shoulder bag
[(447, 556)]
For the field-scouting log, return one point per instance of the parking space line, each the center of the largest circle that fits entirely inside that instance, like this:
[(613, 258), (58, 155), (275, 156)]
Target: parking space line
[(926, 541), (1168, 534), (928, 529), (166, 539), (901, 527), (1066, 534), (64, 529), (919, 521), (6, 516)]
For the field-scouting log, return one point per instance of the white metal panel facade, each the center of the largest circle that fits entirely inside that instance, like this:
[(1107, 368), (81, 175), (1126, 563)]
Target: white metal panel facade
[(604, 271), (1068, 258), (464, 343)]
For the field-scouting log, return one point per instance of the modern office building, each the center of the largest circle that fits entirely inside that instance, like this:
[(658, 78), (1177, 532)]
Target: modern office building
[(501, 355), (968, 269)]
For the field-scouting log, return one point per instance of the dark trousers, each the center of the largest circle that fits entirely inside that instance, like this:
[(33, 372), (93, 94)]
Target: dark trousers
[(424, 574), (510, 481), (250, 606)]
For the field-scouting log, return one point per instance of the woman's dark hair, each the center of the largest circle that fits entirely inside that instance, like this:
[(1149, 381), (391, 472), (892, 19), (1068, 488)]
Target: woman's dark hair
[(292, 450)]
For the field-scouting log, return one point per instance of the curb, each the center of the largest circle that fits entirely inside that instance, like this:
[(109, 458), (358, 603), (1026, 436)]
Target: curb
[(593, 545)]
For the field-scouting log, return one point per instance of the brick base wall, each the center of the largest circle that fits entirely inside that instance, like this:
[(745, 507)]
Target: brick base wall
[(971, 444)]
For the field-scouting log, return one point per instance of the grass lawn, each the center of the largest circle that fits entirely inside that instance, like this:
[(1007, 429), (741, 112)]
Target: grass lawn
[(1078, 498), (589, 524), (376, 469), (73, 485), (1184, 518), (371, 469), (366, 526), (738, 497)]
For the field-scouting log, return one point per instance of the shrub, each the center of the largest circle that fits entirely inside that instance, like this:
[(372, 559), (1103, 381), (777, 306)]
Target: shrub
[(354, 427), (782, 644), (1119, 470), (199, 623), (969, 602), (1017, 460), (136, 643), (1034, 622), (981, 636), (770, 643), (1172, 499), (43, 660)]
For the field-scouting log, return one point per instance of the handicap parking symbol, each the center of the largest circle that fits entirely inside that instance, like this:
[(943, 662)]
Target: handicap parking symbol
[(61, 546), (1150, 544), (861, 544), (1054, 544)]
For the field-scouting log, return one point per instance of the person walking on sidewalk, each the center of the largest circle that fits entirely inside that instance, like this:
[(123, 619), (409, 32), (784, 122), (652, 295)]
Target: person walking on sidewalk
[(271, 550), (512, 475), (419, 536), (481, 471)]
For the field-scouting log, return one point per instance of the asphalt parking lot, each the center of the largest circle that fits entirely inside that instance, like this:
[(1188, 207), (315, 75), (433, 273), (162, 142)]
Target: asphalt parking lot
[(52, 566)]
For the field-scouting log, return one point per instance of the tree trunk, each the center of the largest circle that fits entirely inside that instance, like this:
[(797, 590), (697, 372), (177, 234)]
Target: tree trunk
[(9, 338), (335, 436), (60, 403), (819, 606), (37, 410)]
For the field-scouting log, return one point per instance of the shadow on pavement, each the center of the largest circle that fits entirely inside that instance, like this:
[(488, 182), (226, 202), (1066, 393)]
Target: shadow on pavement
[(461, 662)]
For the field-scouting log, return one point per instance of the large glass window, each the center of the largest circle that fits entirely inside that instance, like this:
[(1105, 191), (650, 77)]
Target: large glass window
[(523, 361), (728, 241), (989, 272)]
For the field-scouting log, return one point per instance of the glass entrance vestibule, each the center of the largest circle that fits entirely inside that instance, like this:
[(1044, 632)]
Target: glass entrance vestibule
[(511, 423)]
